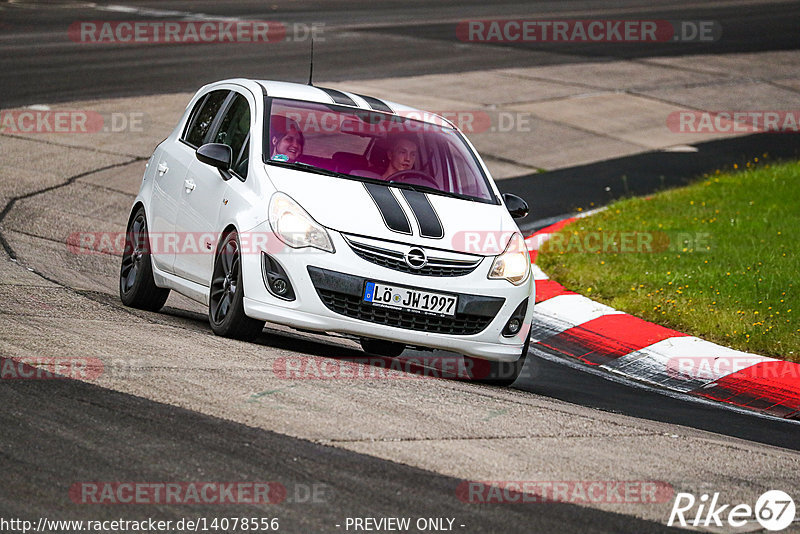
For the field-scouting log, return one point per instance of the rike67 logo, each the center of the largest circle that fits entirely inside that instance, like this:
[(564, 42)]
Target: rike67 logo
[(774, 511)]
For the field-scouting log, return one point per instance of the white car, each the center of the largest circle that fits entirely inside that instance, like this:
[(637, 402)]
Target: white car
[(331, 211)]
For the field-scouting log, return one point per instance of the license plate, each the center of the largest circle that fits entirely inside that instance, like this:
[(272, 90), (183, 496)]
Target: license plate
[(414, 300)]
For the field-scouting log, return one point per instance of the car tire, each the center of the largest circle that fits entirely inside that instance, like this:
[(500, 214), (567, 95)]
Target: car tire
[(137, 287), (497, 373), (381, 347), (226, 299)]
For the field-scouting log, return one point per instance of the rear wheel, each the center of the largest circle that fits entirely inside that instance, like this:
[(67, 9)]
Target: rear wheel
[(497, 373), (226, 301), (137, 287)]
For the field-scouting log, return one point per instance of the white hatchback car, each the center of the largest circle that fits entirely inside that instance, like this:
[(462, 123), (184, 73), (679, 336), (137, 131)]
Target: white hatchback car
[(331, 211)]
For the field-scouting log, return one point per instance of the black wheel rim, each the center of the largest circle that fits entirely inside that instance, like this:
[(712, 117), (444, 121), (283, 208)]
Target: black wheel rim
[(224, 284), (134, 253)]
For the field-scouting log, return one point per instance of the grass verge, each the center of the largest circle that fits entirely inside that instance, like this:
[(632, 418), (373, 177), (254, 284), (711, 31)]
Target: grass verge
[(717, 259)]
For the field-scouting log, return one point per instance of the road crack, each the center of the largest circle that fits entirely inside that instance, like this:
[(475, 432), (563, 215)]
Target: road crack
[(71, 180)]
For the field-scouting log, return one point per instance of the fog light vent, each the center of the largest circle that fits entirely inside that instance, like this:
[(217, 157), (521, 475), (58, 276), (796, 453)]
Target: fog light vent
[(514, 324), (275, 278)]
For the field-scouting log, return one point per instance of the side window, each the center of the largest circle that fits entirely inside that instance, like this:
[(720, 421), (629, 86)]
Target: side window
[(234, 131), (202, 116)]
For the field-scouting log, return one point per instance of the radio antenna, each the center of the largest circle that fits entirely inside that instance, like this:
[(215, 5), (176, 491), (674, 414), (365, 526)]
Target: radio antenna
[(311, 67)]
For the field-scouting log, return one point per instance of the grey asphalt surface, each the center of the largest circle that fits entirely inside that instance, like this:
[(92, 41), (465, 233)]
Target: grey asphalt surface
[(76, 432), (58, 432), (39, 63)]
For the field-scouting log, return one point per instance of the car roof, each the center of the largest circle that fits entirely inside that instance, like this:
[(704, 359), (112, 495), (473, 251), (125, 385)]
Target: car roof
[(325, 95)]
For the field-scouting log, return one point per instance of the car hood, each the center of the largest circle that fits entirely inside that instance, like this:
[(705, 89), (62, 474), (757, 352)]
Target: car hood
[(378, 211)]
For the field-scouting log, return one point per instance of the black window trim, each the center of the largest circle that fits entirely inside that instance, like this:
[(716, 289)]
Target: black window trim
[(194, 118), (239, 88), (214, 128), (219, 117), (215, 124), (245, 146)]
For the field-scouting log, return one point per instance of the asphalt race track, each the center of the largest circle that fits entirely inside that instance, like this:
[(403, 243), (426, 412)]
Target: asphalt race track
[(193, 407), (362, 40)]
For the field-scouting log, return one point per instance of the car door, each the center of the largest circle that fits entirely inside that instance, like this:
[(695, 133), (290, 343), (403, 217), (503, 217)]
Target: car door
[(172, 161), (205, 193)]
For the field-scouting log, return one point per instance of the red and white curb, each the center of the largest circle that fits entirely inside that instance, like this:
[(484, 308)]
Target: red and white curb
[(573, 326)]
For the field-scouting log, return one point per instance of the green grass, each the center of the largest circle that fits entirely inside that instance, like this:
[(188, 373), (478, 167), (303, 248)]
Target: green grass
[(717, 259)]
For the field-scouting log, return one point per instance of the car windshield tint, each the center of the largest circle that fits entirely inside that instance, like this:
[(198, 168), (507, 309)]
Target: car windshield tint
[(375, 146)]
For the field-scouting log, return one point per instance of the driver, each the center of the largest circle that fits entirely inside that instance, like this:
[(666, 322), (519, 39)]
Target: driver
[(286, 139), (402, 155)]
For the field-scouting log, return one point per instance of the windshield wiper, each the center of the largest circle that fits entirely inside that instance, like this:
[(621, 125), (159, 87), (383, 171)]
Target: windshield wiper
[(428, 189), (308, 167)]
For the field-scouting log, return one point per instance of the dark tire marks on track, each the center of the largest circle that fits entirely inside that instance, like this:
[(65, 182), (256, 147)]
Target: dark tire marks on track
[(77, 432)]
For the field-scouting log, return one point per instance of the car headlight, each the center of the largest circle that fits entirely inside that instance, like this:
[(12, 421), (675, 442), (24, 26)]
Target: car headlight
[(514, 264), (294, 226)]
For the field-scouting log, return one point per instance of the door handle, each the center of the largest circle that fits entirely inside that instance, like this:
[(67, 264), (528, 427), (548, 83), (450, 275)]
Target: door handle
[(189, 185), (162, 169)]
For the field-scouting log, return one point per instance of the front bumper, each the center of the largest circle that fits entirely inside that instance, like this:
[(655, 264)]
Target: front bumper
[(329, 288)]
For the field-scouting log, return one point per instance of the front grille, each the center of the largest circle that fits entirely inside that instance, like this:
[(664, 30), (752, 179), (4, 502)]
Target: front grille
[(393, 259), (343, 294), (352, 306)]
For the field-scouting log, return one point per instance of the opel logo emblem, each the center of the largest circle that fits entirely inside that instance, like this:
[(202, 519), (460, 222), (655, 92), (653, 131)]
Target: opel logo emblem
[(416, 258)]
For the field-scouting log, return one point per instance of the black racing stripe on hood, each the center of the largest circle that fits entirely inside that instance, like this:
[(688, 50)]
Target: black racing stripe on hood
[(393, 215), (429, 223), (339, 97)]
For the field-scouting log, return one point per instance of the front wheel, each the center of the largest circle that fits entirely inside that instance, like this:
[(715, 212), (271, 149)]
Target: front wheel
[(497, 373), (226, 301), (137, 287)]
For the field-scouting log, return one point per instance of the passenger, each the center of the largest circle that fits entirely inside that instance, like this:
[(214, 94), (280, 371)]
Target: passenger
[(402, 155), (286, 139)]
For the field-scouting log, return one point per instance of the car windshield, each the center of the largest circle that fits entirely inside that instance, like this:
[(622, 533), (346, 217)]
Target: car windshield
[(373, 146)]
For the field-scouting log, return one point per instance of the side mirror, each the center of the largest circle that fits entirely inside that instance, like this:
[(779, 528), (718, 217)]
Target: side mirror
[(217, 155), (517, 207)]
